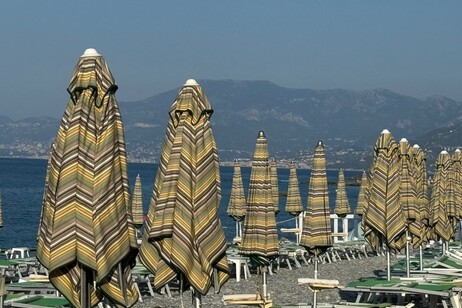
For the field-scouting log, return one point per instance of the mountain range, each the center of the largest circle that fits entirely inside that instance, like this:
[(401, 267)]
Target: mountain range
[(348, 122)]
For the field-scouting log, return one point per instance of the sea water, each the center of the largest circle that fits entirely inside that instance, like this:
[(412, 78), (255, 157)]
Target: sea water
[(22, 184)]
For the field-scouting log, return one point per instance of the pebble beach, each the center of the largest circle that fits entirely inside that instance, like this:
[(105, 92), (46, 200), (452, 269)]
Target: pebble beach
[(282, 285)]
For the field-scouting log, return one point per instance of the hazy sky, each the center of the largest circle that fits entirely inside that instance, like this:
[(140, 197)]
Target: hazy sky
[(411, 47)]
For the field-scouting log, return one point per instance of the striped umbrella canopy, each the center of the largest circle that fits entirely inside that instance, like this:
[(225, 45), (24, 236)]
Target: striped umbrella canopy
[(421, 186), (1, 211), (362, 196), (260, 237), (316, 233), (237, 203), (342, 207), (408, 192), (137, 203), (294, 204), (274, 185), (183, 234), (86, 232), (456, 181), (383, 221), (439, 197)]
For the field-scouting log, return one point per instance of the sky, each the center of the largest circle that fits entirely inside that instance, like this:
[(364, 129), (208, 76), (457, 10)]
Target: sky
[(411, 47)]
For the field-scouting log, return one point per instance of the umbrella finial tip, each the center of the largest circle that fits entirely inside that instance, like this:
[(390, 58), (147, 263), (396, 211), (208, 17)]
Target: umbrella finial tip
[(385, 131), (403, 140), (90, 52), (320, 142), (416, 146), (191, 82), (261, 134), (444, 152), (457, 150)]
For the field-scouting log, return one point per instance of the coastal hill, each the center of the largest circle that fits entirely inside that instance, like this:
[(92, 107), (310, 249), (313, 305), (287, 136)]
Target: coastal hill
[(293, 119)]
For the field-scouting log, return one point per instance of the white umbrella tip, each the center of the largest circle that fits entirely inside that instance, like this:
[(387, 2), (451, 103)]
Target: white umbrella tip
[(416, 146), (444, 152), (90, 52), (385, 131), (191, 82), (457, 151), (403, 140)]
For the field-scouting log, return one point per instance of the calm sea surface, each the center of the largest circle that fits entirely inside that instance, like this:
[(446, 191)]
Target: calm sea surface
[(22, 182)]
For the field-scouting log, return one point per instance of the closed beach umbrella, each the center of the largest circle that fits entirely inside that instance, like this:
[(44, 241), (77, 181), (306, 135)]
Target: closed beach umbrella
[(383, 221), (294, 204), (260, 237), (421, 187), (275, 185), (408, 192), (237, 203), (439, 198), (342, 207), (362, 195), (87, 237), (183, 235), (1, 211), (455, 178), (137, 203), (316, 234)]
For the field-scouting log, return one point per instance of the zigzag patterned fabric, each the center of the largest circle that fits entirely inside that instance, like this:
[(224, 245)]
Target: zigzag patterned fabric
[(383, 221), (316, 233), (260, 237), (362, 197), (294, 204), (408, 193), (237, 202), (183, 234), (420, 178), (442, 226), (86, 221), (274, 185), (137, 203), (342, 206)]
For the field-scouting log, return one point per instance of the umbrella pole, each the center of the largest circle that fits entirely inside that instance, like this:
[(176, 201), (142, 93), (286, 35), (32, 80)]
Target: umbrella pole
[(408, 258), (237, 228), (196, 299), (85, 286), (315, 300), (388, 265), (421, 257), (264, 285)]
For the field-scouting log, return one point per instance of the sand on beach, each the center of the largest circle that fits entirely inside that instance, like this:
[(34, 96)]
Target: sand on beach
[(282, 285)]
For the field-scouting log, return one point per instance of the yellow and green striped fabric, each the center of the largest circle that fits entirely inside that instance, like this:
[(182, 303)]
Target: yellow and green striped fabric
[(1, 211), (420, 178), (237, 202), (274, 185), (362, 199), (85, 217), (316, 233), (294, 204), (383, 221), (456, 183), (183, 234), (342, 206), (137, 203), (442, 226), (260, 237), (408, 192)]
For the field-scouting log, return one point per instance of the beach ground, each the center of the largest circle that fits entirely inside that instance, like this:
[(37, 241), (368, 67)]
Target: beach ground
[(282, 285)]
